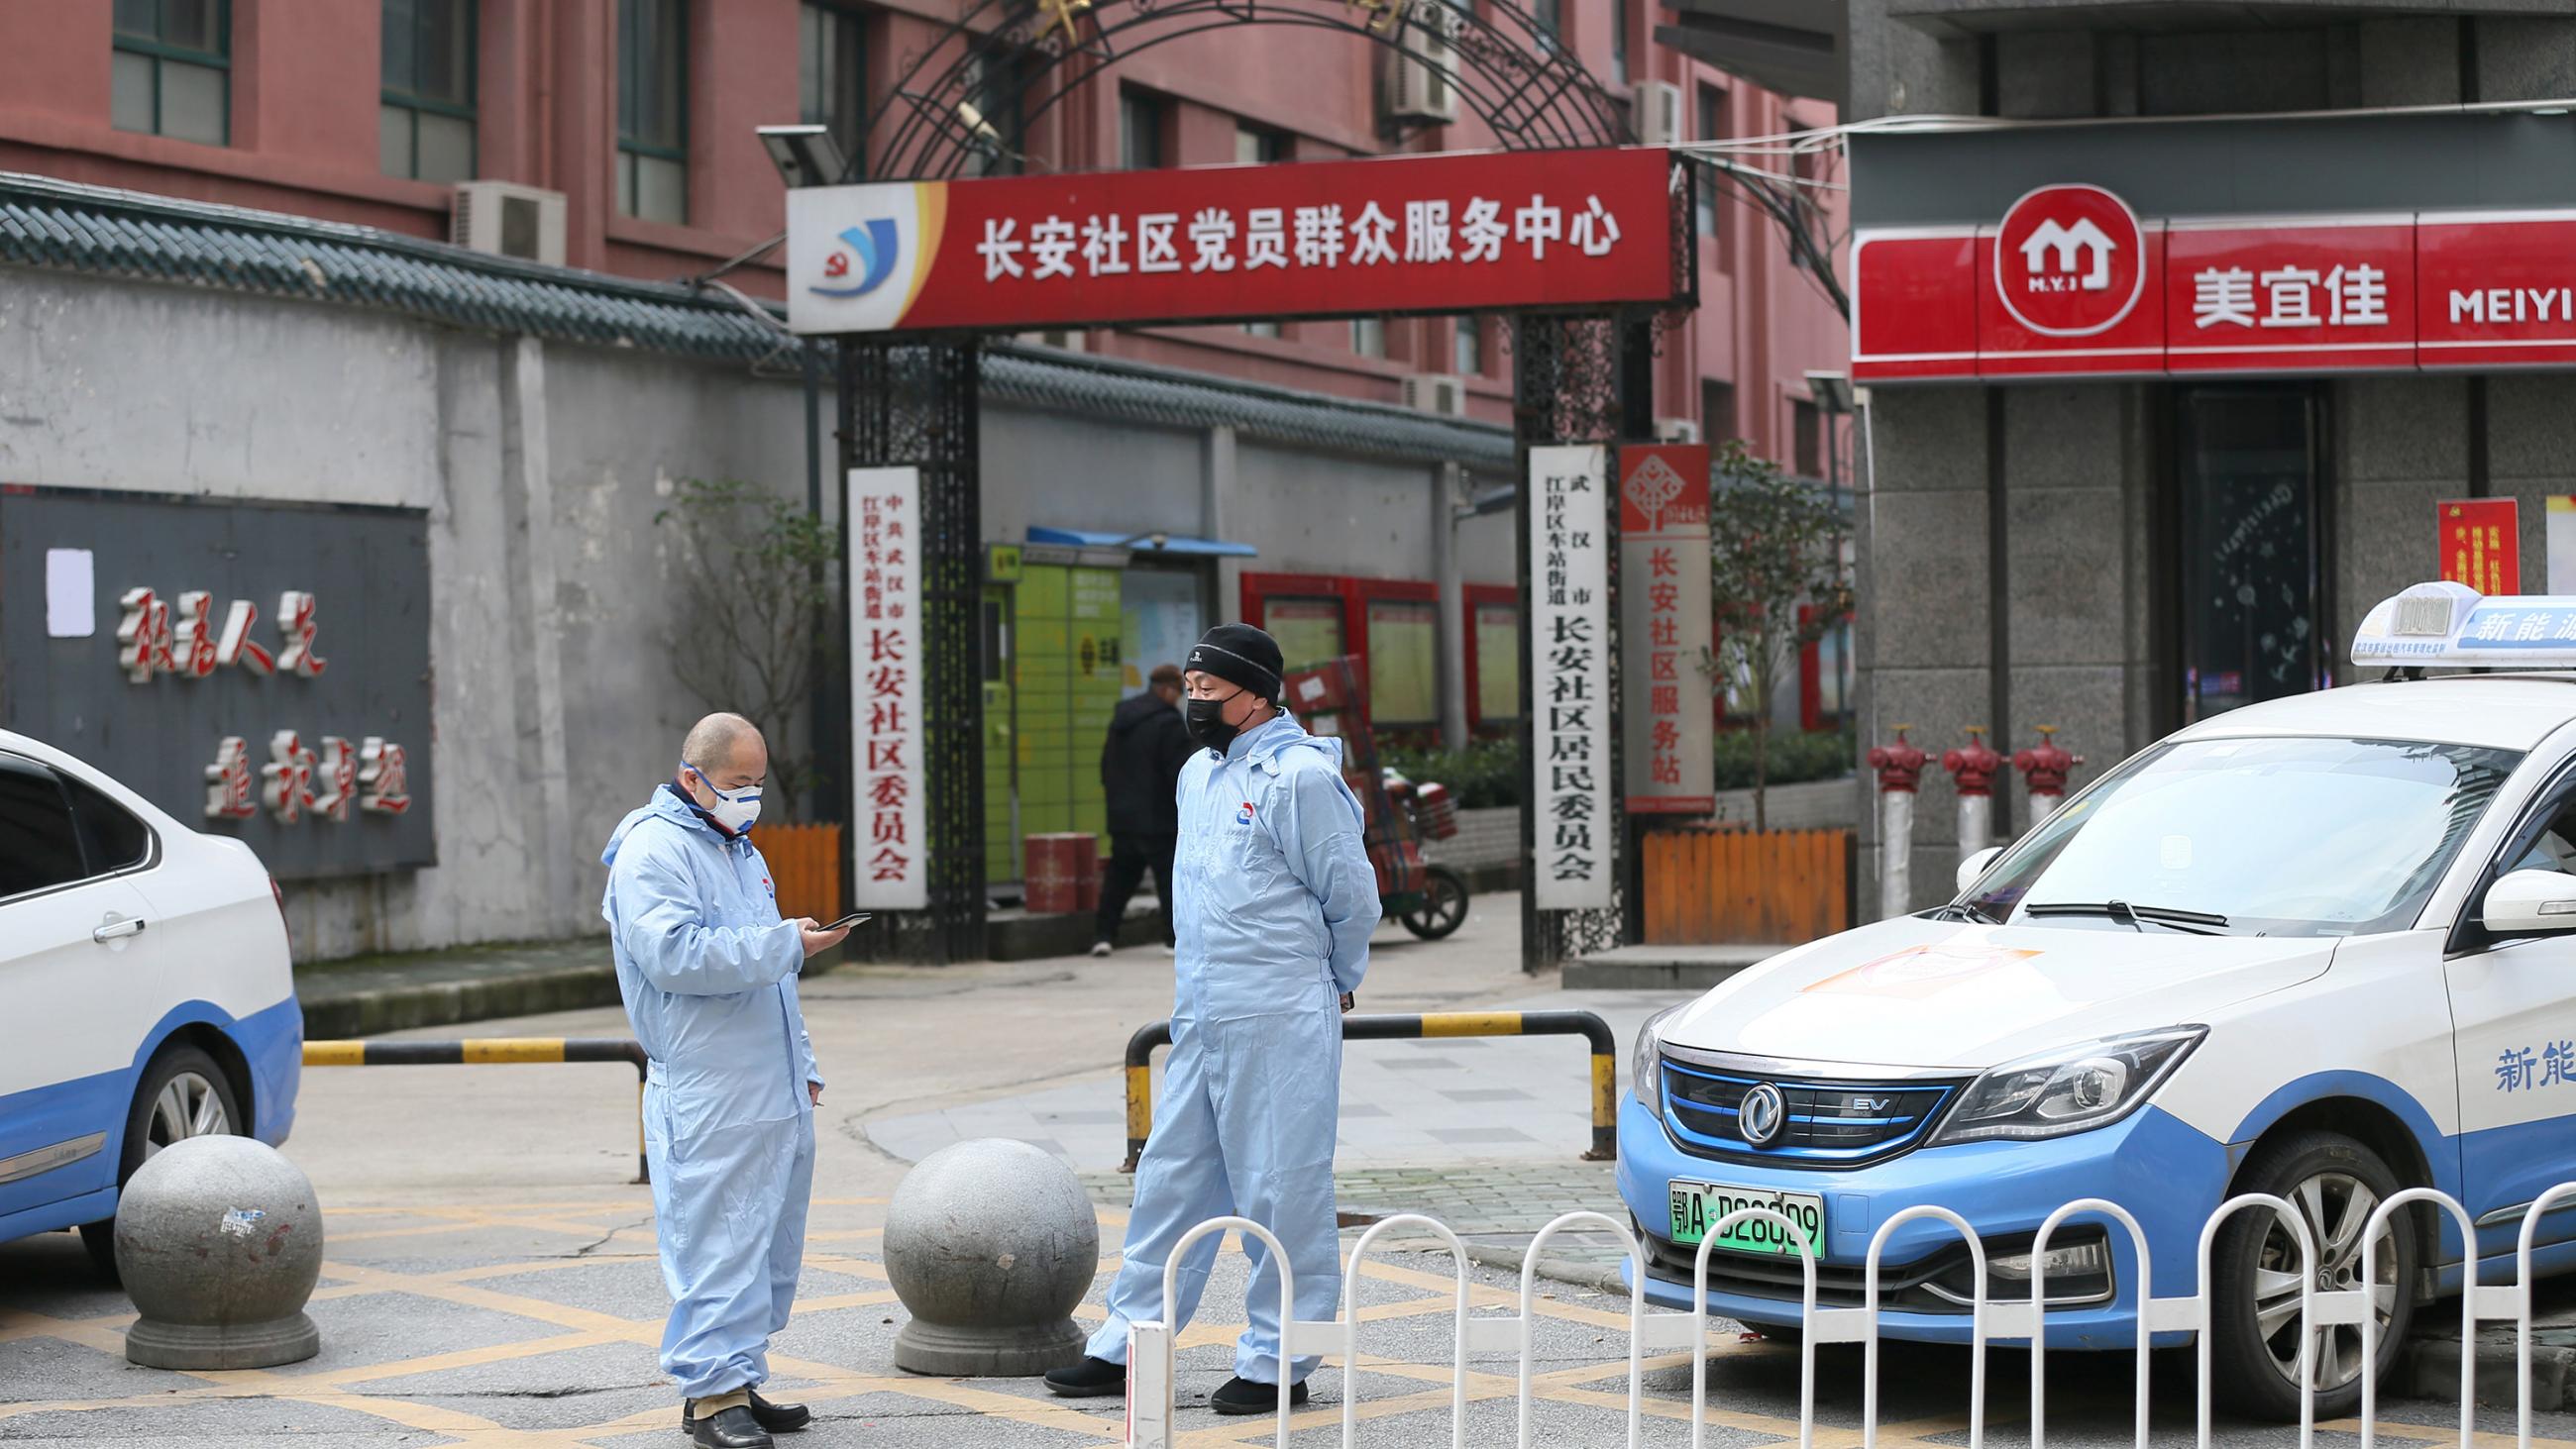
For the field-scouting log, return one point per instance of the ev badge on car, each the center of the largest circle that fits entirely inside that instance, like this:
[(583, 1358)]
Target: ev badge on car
[(1762, 1114)]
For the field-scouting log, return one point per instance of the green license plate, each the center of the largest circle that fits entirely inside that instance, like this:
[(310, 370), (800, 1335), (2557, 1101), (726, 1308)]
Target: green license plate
[(1698, 1204)]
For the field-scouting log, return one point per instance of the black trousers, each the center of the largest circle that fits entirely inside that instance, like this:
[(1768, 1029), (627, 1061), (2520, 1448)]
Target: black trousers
[(1129, 855)]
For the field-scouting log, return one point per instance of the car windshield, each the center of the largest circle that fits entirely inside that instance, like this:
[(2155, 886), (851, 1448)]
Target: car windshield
[(2282, 837)]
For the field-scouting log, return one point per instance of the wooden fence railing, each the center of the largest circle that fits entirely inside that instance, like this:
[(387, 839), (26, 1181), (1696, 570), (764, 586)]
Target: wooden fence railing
[(805, 866), (1720, 885)]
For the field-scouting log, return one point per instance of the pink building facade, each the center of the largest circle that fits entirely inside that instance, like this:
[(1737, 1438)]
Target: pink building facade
[(301, 106)]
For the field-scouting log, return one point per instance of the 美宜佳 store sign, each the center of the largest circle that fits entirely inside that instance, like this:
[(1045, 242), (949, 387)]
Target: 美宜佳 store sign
[(1481, 231), (2070, 282)]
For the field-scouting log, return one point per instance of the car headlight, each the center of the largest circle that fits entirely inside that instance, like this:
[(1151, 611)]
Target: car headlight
[(1646, 1063), (2071, 1089)]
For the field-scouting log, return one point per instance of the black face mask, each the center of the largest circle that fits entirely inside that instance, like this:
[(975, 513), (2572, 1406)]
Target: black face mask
[(1205, 718)]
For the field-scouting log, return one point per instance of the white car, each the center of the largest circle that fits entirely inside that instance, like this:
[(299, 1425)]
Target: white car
[(2322, 947), (145, 993)]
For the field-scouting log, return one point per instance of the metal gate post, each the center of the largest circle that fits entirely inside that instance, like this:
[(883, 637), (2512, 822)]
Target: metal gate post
[(918, 403)]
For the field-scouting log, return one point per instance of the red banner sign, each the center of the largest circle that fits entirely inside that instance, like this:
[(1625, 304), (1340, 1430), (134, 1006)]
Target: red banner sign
[(2040, 293), (2481, 544), (1666, 626), (1464, 232)]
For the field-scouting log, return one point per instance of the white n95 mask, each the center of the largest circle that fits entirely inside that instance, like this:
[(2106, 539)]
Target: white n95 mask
[(735, 810)]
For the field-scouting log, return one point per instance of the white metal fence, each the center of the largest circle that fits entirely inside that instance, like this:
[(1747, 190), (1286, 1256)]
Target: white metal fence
[(1150, 1354)]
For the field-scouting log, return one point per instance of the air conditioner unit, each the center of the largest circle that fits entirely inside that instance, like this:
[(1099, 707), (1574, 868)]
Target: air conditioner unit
[(1676, 430), (1436, 392), (509, 220), (1419, 76), (1659, 112)]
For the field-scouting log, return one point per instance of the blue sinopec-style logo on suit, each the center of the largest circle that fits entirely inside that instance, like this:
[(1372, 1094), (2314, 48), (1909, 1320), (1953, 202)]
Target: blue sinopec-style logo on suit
[(874, 243)]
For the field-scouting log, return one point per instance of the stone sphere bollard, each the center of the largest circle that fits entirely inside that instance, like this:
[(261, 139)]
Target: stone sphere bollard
[(991, 1245), (219, 1241)]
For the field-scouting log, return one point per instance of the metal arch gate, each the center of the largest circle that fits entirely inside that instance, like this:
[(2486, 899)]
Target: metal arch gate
[(1578, 378)]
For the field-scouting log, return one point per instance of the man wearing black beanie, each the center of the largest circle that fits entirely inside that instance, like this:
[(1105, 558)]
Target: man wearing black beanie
[(1274, 902)]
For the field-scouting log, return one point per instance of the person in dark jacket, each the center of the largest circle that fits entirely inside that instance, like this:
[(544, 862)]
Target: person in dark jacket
[(1140, 767)]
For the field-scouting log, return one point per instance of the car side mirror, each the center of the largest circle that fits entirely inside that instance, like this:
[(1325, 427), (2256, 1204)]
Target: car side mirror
[(2530, 901), (1974, 867)]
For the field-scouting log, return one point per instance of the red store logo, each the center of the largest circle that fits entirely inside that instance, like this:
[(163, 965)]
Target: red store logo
[(2070, 261)]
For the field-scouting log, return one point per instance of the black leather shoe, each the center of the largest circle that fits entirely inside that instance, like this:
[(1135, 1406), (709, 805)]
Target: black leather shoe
[(1242, 1396), (732, 1428), (776, 1418), (1093, 1378)]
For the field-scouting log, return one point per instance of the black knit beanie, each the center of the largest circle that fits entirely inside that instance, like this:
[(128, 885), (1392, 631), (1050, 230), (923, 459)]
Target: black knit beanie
[(1241, 655)]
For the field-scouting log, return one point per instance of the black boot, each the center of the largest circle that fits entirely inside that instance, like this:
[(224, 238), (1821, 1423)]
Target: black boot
[(732, 1428), (1093, 1378), (1242, 1396), (776, 1418)]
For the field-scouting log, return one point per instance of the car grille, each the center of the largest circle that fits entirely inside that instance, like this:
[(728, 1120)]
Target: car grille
[(1828, 1124)]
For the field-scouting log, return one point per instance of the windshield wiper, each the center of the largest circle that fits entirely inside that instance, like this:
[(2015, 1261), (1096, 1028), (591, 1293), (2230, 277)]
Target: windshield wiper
[(2202, 923), (1967, 911)]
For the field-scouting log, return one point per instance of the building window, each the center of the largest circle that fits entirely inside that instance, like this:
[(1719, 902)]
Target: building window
[(172, 72), (1259, 146), (1140, 131), (1467, 348), (1806, 439), (425, 119), (1711, 127), (1368, 336), (652, 110), (1716, 410), (1619, 41), (1548, 19), (831, 75), (994, 90)]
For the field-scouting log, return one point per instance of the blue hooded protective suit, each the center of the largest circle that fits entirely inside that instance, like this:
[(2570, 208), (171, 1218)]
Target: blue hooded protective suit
[(708, 971), (1273, 904)]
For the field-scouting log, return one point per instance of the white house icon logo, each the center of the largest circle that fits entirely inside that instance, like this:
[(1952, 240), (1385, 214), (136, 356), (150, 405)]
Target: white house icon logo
[(2058, 258), (2069, 261)]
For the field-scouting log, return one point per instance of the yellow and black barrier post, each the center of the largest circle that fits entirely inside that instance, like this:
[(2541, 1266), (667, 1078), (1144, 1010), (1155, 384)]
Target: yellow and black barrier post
[(494, 1051), (1605, 1061)]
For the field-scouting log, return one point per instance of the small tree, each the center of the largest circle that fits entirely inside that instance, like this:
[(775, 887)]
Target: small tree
[(753, 604), (1776, 545)]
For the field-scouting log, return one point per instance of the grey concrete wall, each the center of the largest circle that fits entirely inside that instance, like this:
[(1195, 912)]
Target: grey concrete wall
[(553, 601), (1334, 516), (1050, 470), (1922, 629), (555, 597), (2401, 445)]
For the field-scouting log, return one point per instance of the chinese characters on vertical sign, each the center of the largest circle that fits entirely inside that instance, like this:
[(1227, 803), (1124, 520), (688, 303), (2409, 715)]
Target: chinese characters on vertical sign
[(2480, 544), (1671, 762), (890, 858), (1570, 705)]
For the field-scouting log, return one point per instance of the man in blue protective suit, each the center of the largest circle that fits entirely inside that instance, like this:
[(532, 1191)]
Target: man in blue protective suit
[(708, 971), (1274, 904)]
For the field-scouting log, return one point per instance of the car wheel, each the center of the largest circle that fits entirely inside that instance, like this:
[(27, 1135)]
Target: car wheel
[(182, 1094), (2335, 1183)]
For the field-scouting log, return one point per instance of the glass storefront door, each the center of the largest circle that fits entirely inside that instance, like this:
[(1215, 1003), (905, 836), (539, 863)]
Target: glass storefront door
[(2252, 577)]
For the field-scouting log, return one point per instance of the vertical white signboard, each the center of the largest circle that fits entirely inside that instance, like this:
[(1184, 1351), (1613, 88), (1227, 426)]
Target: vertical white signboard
[(1569, 674), (891, 859)]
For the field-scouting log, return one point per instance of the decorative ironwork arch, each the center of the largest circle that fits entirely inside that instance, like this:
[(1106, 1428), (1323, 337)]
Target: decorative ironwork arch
[(941, 117), (973, 95)]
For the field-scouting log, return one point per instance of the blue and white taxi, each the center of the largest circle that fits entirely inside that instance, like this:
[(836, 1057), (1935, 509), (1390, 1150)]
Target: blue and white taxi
[(2322, 947)]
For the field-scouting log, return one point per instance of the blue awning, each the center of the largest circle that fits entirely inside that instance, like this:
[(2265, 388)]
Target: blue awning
[(1172, 543)]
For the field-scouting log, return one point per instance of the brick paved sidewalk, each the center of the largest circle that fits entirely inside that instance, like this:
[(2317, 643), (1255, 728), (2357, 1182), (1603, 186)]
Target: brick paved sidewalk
[(1495, 1206)]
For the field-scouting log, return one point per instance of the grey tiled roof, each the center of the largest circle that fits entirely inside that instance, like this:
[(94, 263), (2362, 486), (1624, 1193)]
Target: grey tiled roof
[(57, 224)]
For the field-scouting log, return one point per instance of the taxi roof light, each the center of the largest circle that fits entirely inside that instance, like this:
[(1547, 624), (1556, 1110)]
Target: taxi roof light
[(2449, 625)]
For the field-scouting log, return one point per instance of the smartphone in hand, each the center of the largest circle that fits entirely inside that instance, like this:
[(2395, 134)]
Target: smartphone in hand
[(854, 918)]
